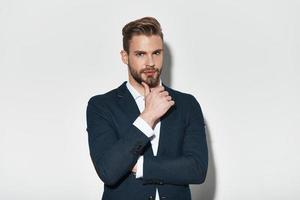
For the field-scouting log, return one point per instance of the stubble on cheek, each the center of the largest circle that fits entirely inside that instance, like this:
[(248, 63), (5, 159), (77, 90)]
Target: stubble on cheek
[(140, 76), (152, 80)]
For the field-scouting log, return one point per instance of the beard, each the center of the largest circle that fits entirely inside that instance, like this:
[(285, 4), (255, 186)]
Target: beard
[(151, 81)]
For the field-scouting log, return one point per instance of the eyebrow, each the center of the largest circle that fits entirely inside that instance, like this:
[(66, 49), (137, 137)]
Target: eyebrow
[(158, 50), (140, 51)]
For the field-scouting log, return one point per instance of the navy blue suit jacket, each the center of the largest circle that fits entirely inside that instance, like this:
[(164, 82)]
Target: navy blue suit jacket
[(115, 145)]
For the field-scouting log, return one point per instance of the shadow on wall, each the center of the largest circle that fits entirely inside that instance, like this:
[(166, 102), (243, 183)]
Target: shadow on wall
[(167, 66), (207, 190)]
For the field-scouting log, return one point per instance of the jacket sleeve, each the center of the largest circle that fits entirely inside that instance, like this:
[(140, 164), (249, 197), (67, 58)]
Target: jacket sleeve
[(113, 157), (191, 166)]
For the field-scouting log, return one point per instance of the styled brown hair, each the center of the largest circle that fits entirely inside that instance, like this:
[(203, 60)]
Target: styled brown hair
[(145, 26)]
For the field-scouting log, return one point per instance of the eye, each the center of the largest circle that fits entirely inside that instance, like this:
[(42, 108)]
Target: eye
[(140, 54), (157, 53)]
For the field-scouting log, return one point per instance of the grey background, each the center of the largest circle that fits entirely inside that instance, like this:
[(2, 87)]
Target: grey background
[(240, 59)]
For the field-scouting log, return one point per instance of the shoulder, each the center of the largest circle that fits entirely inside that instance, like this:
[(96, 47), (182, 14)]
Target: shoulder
[(184, 102), (181, 96), (106, 98), (187, 105), (102, 98)]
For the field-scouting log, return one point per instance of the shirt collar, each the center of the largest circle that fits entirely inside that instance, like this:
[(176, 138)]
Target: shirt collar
[(134, 92)]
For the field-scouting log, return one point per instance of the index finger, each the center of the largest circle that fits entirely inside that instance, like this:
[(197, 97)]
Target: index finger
[(146, 89)]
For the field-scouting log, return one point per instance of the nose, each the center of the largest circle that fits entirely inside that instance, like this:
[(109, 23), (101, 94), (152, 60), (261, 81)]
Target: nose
[(150, 61)]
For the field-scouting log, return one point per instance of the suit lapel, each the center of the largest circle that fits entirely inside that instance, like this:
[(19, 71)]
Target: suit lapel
[(127, 103), (131, 110), (166, 123)]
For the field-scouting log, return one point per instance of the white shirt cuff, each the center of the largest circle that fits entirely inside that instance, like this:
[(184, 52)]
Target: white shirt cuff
[(144, 127), (139, 167)]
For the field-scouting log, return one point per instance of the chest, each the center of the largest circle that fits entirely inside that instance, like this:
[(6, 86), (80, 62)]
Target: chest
[(171, 131)]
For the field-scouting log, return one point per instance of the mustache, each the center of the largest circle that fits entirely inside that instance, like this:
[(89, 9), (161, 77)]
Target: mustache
[(149, 69)]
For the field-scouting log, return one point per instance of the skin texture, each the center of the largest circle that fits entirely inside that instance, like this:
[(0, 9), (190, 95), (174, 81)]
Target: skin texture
[(144, 61), (145, 55)]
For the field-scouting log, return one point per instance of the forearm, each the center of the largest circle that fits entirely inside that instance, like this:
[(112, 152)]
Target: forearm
[(114, 151), (179, 171), (190, 166), (113, 160)]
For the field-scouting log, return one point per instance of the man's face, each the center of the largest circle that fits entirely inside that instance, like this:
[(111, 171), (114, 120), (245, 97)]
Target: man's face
[(145, 59)]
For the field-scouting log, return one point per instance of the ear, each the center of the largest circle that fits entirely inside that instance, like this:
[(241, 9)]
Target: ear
[(124, 56)]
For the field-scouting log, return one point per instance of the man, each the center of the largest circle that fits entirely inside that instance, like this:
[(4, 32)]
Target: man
[(147, 141)]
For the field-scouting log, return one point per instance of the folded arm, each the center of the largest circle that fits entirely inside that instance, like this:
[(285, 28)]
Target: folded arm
[(113, 157), (191, 167)]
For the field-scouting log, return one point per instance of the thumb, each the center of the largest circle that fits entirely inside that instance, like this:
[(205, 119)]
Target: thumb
[(146, 88)]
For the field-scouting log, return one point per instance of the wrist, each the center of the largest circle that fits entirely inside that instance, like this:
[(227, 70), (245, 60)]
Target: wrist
[(148, 118)]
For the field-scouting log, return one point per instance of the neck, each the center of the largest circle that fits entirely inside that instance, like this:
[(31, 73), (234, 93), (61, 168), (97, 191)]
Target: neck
[(137, 86)]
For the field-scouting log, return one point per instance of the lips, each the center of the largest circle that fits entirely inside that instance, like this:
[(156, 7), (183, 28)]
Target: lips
[(149, 73)]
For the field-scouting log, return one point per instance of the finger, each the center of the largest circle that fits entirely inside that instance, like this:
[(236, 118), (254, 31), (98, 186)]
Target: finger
[(146, 89), (171, 103), (164, 93), (158, 89), (169, 98)]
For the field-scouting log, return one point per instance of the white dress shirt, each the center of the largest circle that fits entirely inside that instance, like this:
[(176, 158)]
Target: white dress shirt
[(146, 129)]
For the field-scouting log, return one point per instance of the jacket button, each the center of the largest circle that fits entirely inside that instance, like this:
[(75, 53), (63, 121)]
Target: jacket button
[(150, 198)]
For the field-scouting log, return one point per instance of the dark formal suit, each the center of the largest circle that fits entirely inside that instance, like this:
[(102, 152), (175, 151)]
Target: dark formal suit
[(115, 145)]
